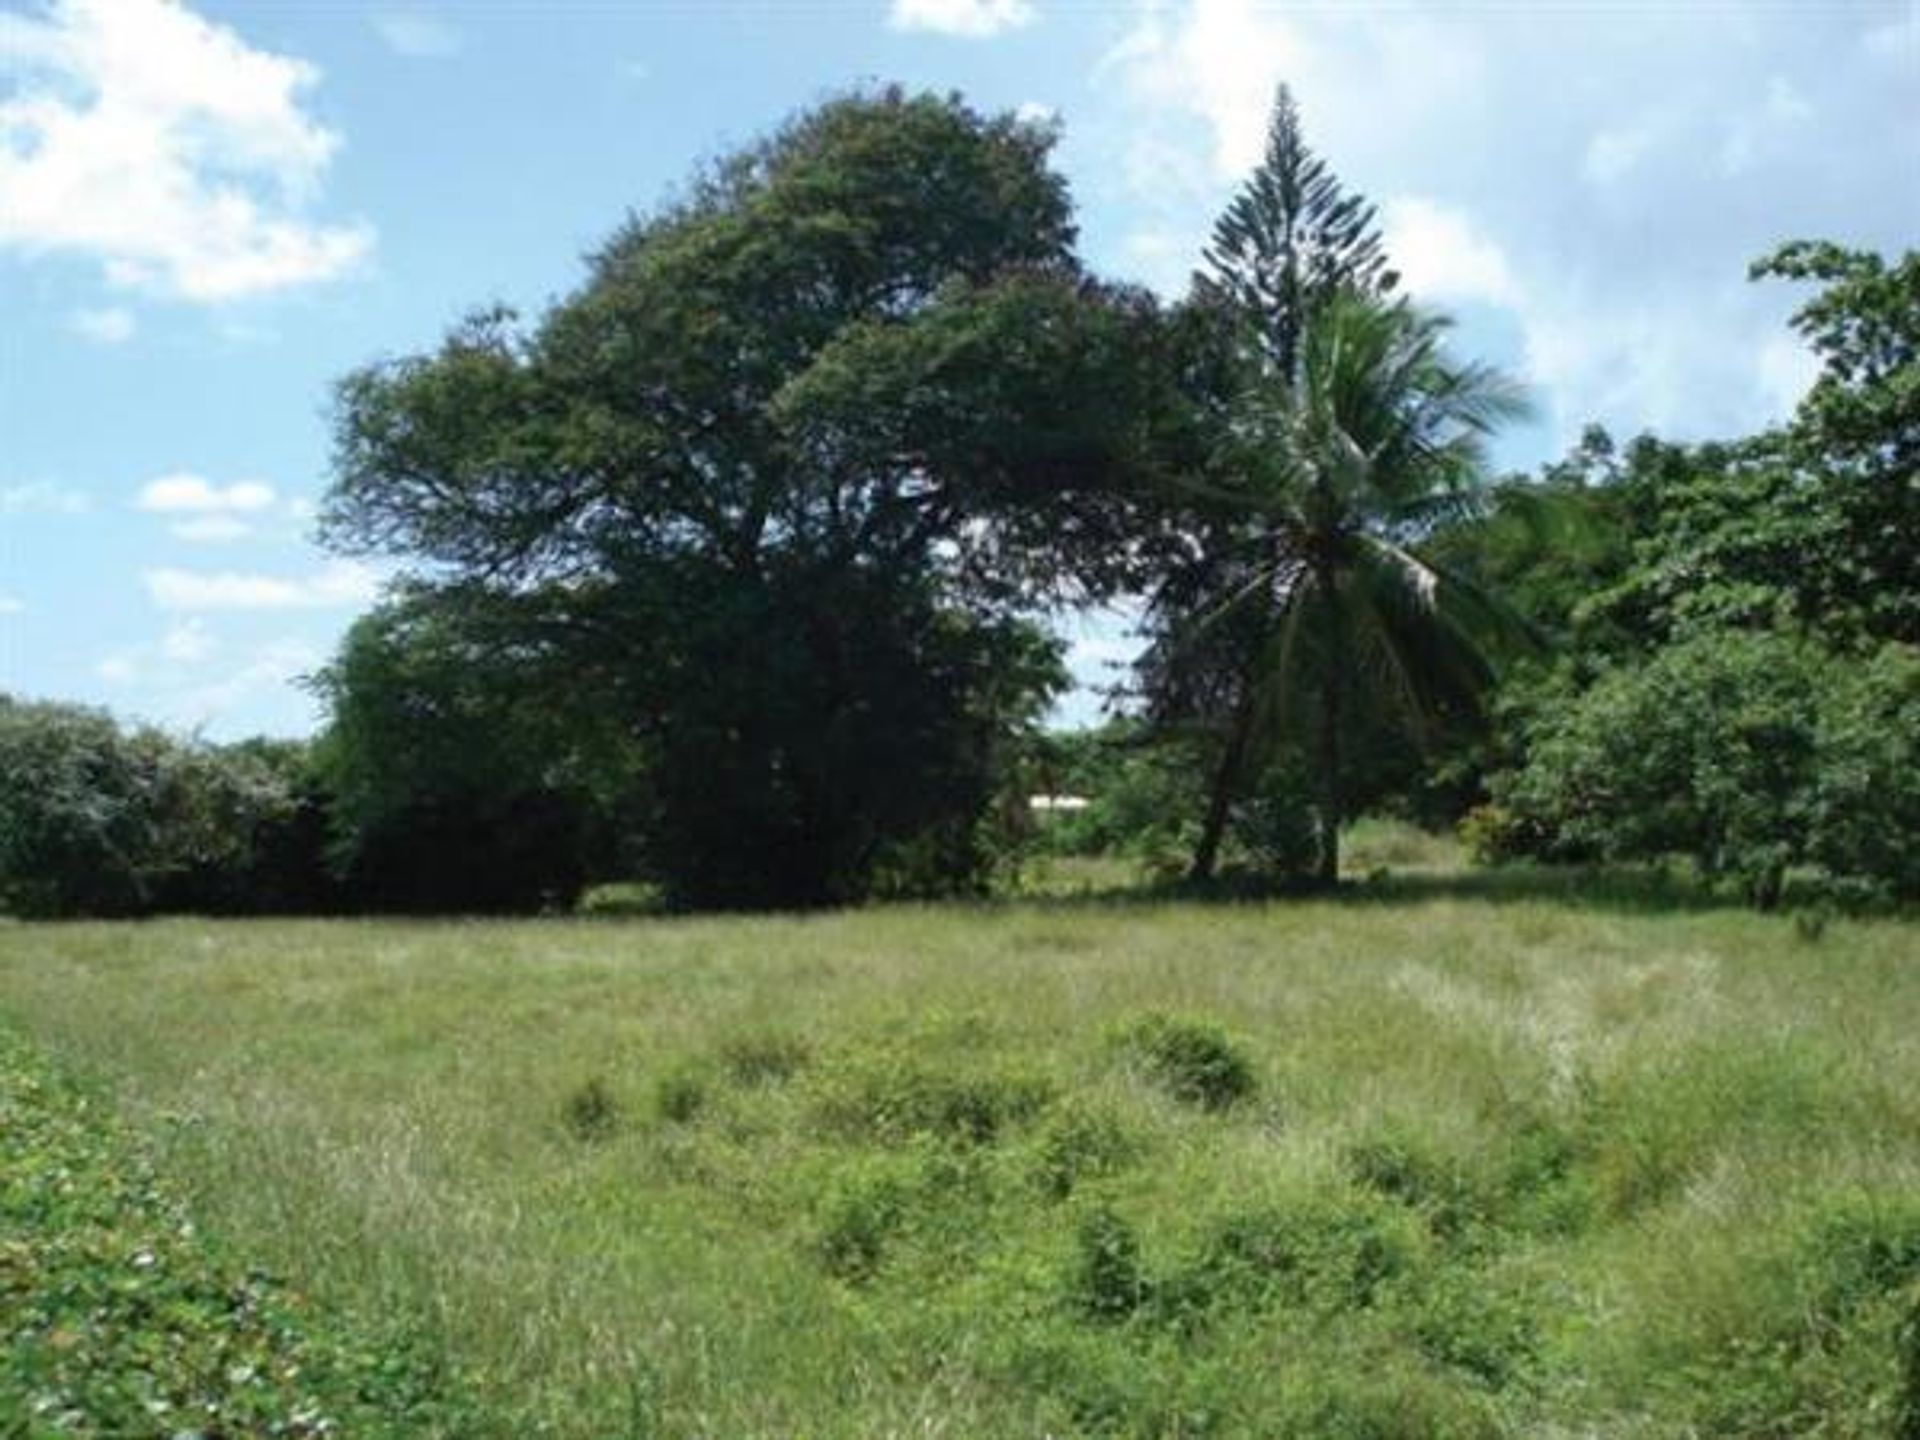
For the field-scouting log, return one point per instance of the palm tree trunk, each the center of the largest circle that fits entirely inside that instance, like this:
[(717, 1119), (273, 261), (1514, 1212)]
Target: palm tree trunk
[(1330, 788), (1226, 776)]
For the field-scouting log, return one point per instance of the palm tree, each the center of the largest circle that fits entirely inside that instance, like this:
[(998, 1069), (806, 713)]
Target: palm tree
[(1327, 478)]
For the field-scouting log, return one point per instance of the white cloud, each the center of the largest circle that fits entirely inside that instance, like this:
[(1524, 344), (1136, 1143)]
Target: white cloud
[(272, 667), (43, 497), (341, 583), (163, 146), (12, 605), (112, 326), (1033, 112), (117, 669), (192, 494), (187, 643), (1441, 257), (1616, 241), (974, 19), (210, 529), (418, 37)]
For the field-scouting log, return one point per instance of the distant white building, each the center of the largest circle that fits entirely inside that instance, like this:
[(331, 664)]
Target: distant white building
[(1057, 804)]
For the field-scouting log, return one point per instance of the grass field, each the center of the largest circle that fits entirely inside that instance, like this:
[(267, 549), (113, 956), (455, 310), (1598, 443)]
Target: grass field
[(1441, 1159)]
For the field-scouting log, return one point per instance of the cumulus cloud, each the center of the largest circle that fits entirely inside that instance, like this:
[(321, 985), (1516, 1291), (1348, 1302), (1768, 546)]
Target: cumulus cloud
[(1442, 257), (111, 326), (418, 37), (1612, 243), (340, 584), (163, 146), (972, 19), (194, 494)]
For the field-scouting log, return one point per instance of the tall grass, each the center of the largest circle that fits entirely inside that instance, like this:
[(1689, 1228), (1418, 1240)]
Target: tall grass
[(1497, 1164)]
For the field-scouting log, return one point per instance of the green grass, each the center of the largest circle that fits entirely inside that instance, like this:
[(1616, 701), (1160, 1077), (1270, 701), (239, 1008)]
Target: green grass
[(1444, 1158), (121, 1320)]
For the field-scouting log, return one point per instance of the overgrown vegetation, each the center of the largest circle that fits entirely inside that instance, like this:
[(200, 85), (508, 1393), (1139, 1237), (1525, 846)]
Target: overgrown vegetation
[(121, 1319), (1387, 1165)]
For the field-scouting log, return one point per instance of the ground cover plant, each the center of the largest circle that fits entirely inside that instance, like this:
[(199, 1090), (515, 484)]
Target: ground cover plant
[(120, 1321), (1486, 1161)]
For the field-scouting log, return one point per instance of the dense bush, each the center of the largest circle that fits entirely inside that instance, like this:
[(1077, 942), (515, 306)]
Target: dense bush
[(100, 820), (1749, 752)]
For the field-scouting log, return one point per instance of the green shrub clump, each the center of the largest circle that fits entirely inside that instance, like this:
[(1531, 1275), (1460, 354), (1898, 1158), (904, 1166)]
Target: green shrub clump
[(1192, 1060)]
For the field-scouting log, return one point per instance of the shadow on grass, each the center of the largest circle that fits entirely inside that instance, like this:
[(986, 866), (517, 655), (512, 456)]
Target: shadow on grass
[(1625, 889)]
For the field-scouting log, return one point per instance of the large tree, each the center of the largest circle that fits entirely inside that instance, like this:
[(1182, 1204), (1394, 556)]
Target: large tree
[(785, 480)]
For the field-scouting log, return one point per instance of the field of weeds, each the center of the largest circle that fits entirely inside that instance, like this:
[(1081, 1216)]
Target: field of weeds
[(1418, 1163)]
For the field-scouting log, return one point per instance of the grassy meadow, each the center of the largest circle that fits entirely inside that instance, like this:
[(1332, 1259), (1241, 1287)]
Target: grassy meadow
[(1438, 1158)]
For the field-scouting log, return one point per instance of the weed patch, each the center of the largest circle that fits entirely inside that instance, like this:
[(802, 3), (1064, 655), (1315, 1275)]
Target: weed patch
[(590, 1112), (121, 1320), (888, 1096), (1192, 1060)]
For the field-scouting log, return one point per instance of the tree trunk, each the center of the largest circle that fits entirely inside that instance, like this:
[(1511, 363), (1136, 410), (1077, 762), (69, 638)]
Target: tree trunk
[(1206, 854), (1330, 787)]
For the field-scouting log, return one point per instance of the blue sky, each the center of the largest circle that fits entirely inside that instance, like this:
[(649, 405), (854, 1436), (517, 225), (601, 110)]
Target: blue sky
[(210, 211)]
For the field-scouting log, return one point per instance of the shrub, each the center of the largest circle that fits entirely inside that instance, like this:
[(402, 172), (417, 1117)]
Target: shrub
[(1327, 1255), (1192, 1060), (1108, 1281), (1080, 1144), (98, 820), (1749, 752), (889, 1095), (764, 1057), (591, 1112), (862, 1210), (679, 1096)]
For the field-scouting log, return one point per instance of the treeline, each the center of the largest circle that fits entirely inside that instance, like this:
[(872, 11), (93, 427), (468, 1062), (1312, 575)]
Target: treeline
[(731, 572)]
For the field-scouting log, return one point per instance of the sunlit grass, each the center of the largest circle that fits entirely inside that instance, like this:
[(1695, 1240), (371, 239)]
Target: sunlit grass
[(1504, 1165)]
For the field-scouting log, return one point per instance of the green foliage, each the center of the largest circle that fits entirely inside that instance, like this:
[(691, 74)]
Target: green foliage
[(1750, 753), (888, 1094), (590, 1112), (99, 820), (1291, 598), (1193, 1060), (121, 1320), (1108, 1283), (764, 1057), (464, 777), (1081, 1144), (680, 1096), (1523, 1161), (779, 488)]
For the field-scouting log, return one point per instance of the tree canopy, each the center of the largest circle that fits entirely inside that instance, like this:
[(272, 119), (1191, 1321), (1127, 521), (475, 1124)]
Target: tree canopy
[(783, 480)]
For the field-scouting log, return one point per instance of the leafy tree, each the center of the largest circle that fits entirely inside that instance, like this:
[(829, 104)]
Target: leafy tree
[(1747, 751), (782, 482), (1809, 525), (461, 773), (1329, 484)]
